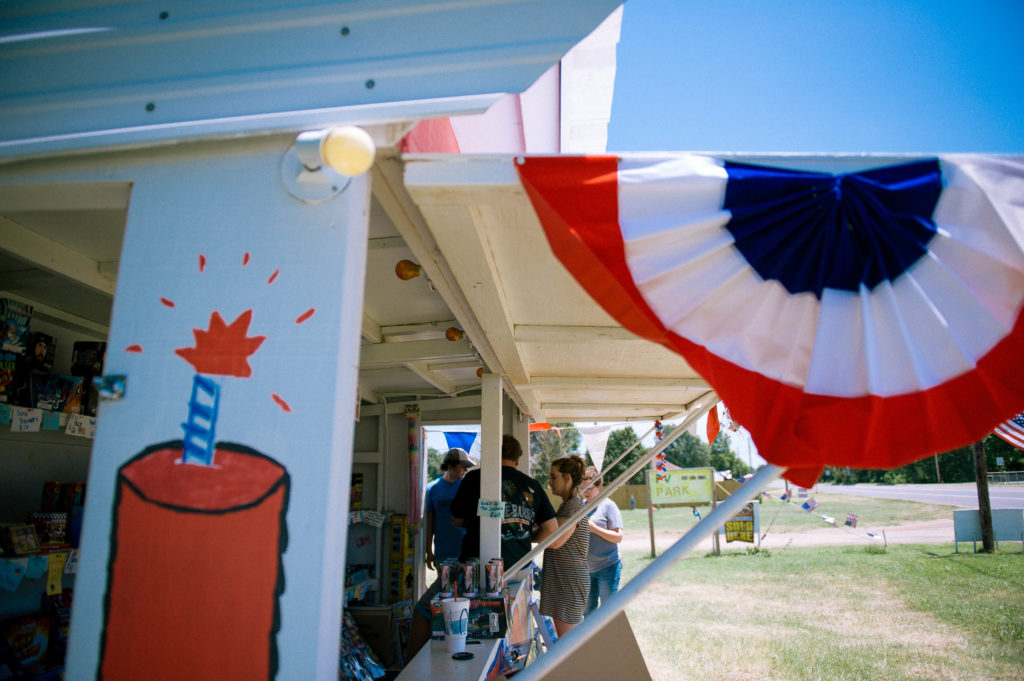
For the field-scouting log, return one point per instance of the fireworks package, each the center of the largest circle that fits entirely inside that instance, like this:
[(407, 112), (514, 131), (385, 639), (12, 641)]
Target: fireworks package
[(14, 320), (87, 358), (54, 392), (14, 379), (41, 348), (25, 640)]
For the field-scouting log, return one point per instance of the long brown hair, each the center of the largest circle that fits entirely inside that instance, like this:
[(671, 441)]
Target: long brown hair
[(573, 466)]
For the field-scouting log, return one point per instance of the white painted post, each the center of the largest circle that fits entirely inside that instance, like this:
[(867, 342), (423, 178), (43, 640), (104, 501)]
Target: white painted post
[(211, 230), (490, 463)]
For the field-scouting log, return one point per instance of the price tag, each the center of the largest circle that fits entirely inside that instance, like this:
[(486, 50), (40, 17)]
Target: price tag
[(26, 420), (487, 508), (82, 426)]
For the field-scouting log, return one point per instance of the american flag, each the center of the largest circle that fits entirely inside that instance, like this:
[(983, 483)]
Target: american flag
[(1012, 431)]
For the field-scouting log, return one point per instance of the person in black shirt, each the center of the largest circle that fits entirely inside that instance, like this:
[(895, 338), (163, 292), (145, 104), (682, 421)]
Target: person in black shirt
[(526, 506)]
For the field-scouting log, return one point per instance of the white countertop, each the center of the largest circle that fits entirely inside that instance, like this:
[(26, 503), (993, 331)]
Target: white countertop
[(435, 662)]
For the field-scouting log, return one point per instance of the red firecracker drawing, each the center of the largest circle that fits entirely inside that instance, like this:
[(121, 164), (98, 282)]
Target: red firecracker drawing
[(195, 571)]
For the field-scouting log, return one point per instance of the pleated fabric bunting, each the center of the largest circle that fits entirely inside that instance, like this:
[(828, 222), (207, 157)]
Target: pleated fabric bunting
[(863, 319)]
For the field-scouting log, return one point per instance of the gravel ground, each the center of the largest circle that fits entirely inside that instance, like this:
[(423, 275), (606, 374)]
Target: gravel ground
[(923, 532)]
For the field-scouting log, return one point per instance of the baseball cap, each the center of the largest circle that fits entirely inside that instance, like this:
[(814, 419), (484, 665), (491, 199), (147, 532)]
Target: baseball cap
[(456, 456)]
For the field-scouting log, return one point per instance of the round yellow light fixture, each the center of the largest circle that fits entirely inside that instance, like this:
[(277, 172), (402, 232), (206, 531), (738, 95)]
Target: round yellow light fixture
[(348, 150)]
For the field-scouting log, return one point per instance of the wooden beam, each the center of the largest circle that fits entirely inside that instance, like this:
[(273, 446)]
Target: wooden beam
[(533, 333), (52, 256), (571, 382), (432, 377), (389, 354)]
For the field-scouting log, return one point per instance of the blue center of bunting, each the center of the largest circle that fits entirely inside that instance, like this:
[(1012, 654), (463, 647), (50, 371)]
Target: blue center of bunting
[(812, 231)]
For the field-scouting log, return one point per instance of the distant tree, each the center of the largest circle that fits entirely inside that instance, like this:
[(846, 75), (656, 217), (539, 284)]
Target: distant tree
[(687, 451), (724, 459), (434, 459), (618, 442), (548, 445)]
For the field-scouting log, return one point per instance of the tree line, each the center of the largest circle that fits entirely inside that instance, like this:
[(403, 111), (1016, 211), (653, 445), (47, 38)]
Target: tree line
[(686, 451), (953, 466)]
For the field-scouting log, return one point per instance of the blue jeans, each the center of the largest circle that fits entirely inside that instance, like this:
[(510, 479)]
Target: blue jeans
[(603, 584)]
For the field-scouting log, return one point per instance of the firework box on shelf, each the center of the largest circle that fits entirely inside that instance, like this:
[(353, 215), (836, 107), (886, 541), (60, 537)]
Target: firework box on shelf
[(42, 348), (15, 317), (28, 639), (356, 493), (376, 624), (18, 538), (87, 358), (14, 379)]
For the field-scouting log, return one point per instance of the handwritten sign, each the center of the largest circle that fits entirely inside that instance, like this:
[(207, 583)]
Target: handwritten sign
[(487, 508), (82, 426), (5, 413), (26, 420)]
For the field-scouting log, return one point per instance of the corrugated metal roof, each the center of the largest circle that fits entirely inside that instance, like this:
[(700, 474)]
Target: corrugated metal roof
[(108, 73)]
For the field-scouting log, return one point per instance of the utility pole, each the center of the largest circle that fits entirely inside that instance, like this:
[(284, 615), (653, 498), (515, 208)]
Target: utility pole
[(988, 542), (938, 476)]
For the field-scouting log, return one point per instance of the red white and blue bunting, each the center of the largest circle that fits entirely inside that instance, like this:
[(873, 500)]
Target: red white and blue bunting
[(863, 319)]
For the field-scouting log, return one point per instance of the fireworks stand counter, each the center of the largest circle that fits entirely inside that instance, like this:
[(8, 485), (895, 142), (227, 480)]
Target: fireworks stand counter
[(500, 639)]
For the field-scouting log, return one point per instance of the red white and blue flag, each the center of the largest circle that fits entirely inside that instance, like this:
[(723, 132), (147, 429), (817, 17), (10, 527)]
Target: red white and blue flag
[(862, 319), (1012, 431)]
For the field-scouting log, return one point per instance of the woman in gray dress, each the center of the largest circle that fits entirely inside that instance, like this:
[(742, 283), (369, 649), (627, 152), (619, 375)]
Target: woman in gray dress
[(565, 582)]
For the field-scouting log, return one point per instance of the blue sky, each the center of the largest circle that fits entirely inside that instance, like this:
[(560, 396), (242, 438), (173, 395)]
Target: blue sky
[(820, 76)]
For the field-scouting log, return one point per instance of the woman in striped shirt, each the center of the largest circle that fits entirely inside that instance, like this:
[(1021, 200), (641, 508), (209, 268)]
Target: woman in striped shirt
[(565, 582)]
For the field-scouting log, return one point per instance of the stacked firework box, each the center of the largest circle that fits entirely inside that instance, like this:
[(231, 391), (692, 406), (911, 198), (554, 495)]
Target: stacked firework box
[(401, 560)]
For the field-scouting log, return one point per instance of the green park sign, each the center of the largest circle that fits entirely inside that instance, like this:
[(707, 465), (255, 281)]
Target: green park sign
[(683, 486)]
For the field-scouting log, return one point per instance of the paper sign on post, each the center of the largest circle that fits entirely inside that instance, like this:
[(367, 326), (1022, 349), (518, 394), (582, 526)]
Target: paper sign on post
[(487, 508), (72, 564), (36, 567), (10, 574), (55, 574)]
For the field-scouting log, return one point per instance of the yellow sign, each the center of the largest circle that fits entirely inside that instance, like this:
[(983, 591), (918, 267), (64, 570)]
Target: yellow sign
[(741, 526), (684, 486)]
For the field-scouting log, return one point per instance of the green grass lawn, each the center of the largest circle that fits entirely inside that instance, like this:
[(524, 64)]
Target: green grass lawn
[(789, 517), (850, 613)]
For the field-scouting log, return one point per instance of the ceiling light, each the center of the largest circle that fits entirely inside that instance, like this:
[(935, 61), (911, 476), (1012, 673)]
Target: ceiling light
[(407, 269), (453, 333), (320, 163)]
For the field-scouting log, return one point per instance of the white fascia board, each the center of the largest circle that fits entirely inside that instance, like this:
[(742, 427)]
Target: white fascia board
[(387, 123)]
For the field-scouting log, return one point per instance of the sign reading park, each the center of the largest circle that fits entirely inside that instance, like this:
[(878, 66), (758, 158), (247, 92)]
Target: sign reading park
[(684, 486)]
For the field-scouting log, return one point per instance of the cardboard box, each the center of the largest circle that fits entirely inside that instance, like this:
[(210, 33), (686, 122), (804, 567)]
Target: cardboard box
[(18, 539), (376, 624)]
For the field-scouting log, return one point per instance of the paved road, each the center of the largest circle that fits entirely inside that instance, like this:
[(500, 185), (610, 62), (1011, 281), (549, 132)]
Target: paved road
[(964, 495)]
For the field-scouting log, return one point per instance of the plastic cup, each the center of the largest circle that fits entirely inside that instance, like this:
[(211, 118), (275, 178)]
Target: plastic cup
[(456, 623)]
